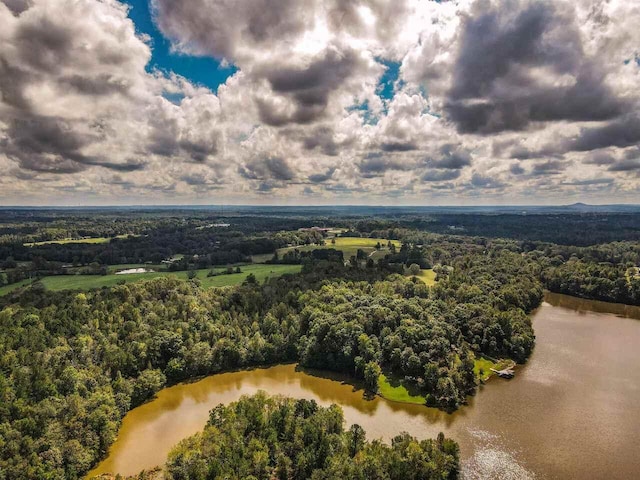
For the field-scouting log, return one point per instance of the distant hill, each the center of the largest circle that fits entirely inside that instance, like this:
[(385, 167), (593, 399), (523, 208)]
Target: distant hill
[(584, 207)]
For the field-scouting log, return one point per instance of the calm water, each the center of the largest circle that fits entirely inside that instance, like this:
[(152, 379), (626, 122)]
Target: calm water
[(572, 412)]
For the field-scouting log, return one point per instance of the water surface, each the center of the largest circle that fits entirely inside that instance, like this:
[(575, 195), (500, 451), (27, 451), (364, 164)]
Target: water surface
[(573, 411)]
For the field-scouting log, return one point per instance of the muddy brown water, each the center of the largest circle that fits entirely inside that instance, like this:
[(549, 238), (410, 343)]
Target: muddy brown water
[(573, 411)]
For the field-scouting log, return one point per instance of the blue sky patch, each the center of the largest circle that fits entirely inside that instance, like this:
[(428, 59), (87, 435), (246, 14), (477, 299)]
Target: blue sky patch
[(198, 70), (367, 117), (387, 83), (427, 110), (174, 98), (636, 58)]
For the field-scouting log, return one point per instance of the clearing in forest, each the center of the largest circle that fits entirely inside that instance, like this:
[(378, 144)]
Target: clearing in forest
[(349, 246), (222, 279)]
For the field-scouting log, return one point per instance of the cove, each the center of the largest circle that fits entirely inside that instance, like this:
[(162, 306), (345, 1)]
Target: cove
[(573, 411)]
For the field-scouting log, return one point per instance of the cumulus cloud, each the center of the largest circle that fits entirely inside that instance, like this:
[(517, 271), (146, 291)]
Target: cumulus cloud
[(599, 158), (450, 157), (376, 164), (485, 98), (516, 169), (440, 175), (485, 182), (62, 80), (622, 132), (398, 146), (269, 168), (302, 93), (231, 28), (322, 177), (591, 181), (521, 62), (550, 167), (625, 165)]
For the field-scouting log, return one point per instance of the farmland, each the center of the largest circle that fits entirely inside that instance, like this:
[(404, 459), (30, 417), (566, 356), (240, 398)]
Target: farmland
[(350, 246), (66, 241), (88, 282)]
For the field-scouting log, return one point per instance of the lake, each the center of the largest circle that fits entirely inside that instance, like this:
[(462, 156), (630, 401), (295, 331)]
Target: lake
[(573, 411)]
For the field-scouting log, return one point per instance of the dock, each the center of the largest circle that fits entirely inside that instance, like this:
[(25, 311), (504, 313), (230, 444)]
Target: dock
[(505, 373)]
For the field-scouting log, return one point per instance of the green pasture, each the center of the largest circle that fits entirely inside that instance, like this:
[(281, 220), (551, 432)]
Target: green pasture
[(395, 391), (75, 240), (88, 282), (428, 276), (349, 246)]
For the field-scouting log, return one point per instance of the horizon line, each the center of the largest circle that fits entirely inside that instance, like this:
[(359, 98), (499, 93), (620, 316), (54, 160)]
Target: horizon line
[(342, 205)]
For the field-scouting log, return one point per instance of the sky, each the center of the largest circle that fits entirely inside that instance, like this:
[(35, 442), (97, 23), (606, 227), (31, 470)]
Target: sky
[(319, 102)]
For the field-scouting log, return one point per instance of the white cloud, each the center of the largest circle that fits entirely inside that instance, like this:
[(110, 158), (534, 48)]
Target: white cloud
[(554, 86)]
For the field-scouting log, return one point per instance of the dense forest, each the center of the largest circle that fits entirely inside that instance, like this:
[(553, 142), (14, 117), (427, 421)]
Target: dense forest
[(426, 337), (606, 272), (563, 228), (593, 255), (267, 438), (563, 225), (72, 364), (211, 246), (154, 235)]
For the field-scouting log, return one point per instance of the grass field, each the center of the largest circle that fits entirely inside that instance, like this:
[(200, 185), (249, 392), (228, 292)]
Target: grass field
[(87, 282), (75, 240), (486, 365), (9, 288), (428, 276), (260, 271), (395, 391), (349, 246)]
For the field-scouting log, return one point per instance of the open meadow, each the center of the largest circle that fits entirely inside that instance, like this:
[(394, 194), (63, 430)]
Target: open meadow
[(88, 282), (349, 246), (65, 241)]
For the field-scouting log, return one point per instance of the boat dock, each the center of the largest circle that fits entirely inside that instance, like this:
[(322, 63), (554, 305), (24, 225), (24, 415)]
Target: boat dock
[(505, 373)]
